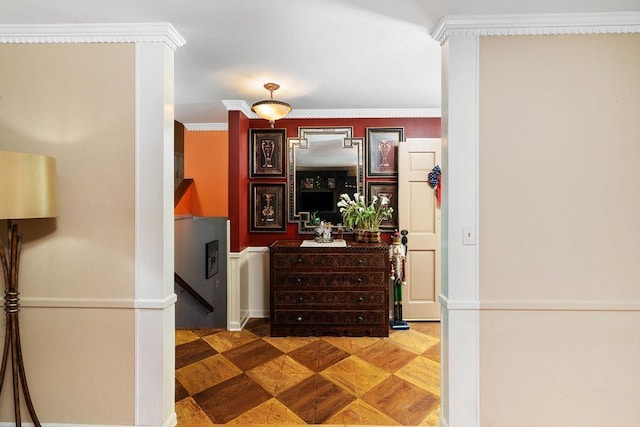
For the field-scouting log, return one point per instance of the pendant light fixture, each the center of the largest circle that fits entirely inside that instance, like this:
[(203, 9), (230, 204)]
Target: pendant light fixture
[(271, 109)]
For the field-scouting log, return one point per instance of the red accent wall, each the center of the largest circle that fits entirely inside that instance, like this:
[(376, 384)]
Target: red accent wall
[(239, 125), (238, 181)]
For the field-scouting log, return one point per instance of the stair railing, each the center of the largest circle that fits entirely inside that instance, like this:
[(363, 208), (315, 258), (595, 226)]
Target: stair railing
[(184, 285)]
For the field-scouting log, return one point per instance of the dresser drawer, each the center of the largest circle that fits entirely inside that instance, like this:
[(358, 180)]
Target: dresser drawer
[(344, 317), (305, 260), (299, 279), (282, 299)]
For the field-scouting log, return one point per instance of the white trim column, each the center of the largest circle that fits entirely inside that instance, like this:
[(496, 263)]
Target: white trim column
[(460, 310), (154, 232), (237, 289)]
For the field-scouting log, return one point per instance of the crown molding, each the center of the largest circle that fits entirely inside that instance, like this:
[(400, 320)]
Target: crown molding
[(239, 105), (364, 113), (536, 24), (206, 127), (369, 113), (355, 113), (160, 32)]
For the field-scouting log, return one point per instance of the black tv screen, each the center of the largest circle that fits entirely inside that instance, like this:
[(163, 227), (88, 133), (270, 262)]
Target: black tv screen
[(321, 201)]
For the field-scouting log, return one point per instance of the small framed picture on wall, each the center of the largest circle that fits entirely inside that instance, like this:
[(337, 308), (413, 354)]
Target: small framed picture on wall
[(211, 259), (267, 153), (268, 208), (382, 151)]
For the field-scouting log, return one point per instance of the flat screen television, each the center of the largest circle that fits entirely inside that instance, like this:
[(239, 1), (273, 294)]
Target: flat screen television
[(317, 201)]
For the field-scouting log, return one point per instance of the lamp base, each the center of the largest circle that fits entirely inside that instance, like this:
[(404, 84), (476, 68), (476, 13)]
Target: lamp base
[(12, 331)]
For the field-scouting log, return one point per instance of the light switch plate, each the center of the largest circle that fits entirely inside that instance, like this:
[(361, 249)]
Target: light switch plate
[(468, 235)]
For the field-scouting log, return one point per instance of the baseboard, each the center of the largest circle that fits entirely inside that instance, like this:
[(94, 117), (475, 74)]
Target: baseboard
[(443, 422), (235, 262), (244, 318), (235, 326), (259, 313), (172, 421), (24, 424)]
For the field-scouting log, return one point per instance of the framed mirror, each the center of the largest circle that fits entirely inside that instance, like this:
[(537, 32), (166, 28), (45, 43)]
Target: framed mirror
[(323, 163)]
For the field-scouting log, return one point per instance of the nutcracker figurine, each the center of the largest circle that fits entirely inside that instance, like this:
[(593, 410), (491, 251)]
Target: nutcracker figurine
[(397, 256)]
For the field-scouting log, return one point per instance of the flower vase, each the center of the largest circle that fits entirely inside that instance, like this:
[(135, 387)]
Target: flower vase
[(367, 236)]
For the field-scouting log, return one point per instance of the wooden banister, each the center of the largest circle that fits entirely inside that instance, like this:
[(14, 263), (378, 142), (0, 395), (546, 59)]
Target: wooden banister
[(181, 190), (184, 285)]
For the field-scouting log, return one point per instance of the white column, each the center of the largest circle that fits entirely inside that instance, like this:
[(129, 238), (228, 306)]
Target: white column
[(460, 314), (154, 257)]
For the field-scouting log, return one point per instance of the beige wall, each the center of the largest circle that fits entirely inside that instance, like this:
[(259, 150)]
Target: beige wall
[(76, 103), (559, 230)]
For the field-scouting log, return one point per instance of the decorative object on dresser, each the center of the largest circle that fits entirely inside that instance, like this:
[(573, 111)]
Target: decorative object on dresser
[(323, 232), (367, 236), (329, 290), (363, 218)]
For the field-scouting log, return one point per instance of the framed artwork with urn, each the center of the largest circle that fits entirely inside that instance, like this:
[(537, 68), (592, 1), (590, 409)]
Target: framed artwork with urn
[(268, 208), (267, 153), (382, 151)]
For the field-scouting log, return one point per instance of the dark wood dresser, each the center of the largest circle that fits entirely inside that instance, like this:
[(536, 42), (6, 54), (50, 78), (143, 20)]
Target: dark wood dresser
[(325, 290)]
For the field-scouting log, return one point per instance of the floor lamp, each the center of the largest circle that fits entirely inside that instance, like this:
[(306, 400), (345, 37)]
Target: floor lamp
[(27, 190)]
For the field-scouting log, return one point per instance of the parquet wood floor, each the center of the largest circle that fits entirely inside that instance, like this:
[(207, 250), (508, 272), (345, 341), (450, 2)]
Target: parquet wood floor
[(249, 378)]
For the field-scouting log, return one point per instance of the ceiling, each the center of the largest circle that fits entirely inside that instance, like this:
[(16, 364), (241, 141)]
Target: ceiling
[(325, 54)]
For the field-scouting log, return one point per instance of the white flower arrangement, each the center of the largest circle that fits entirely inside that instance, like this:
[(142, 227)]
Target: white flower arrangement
[(356, 213)]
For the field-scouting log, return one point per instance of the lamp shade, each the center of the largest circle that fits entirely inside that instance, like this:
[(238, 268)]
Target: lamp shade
[(27, 186), (271, 109)]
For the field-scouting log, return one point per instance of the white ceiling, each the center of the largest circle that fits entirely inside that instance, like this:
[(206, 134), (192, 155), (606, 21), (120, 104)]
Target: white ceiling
[(325, 54)]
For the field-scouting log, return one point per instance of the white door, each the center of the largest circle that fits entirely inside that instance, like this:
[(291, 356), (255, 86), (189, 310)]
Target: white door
[(419, 214)]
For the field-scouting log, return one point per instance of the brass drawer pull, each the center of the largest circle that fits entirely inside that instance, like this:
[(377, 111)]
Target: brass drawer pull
[(299, 260), (299, 318), (360, 299), (300, 299), (360, 319), (360, 262), (299, 281), (359, 280)]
